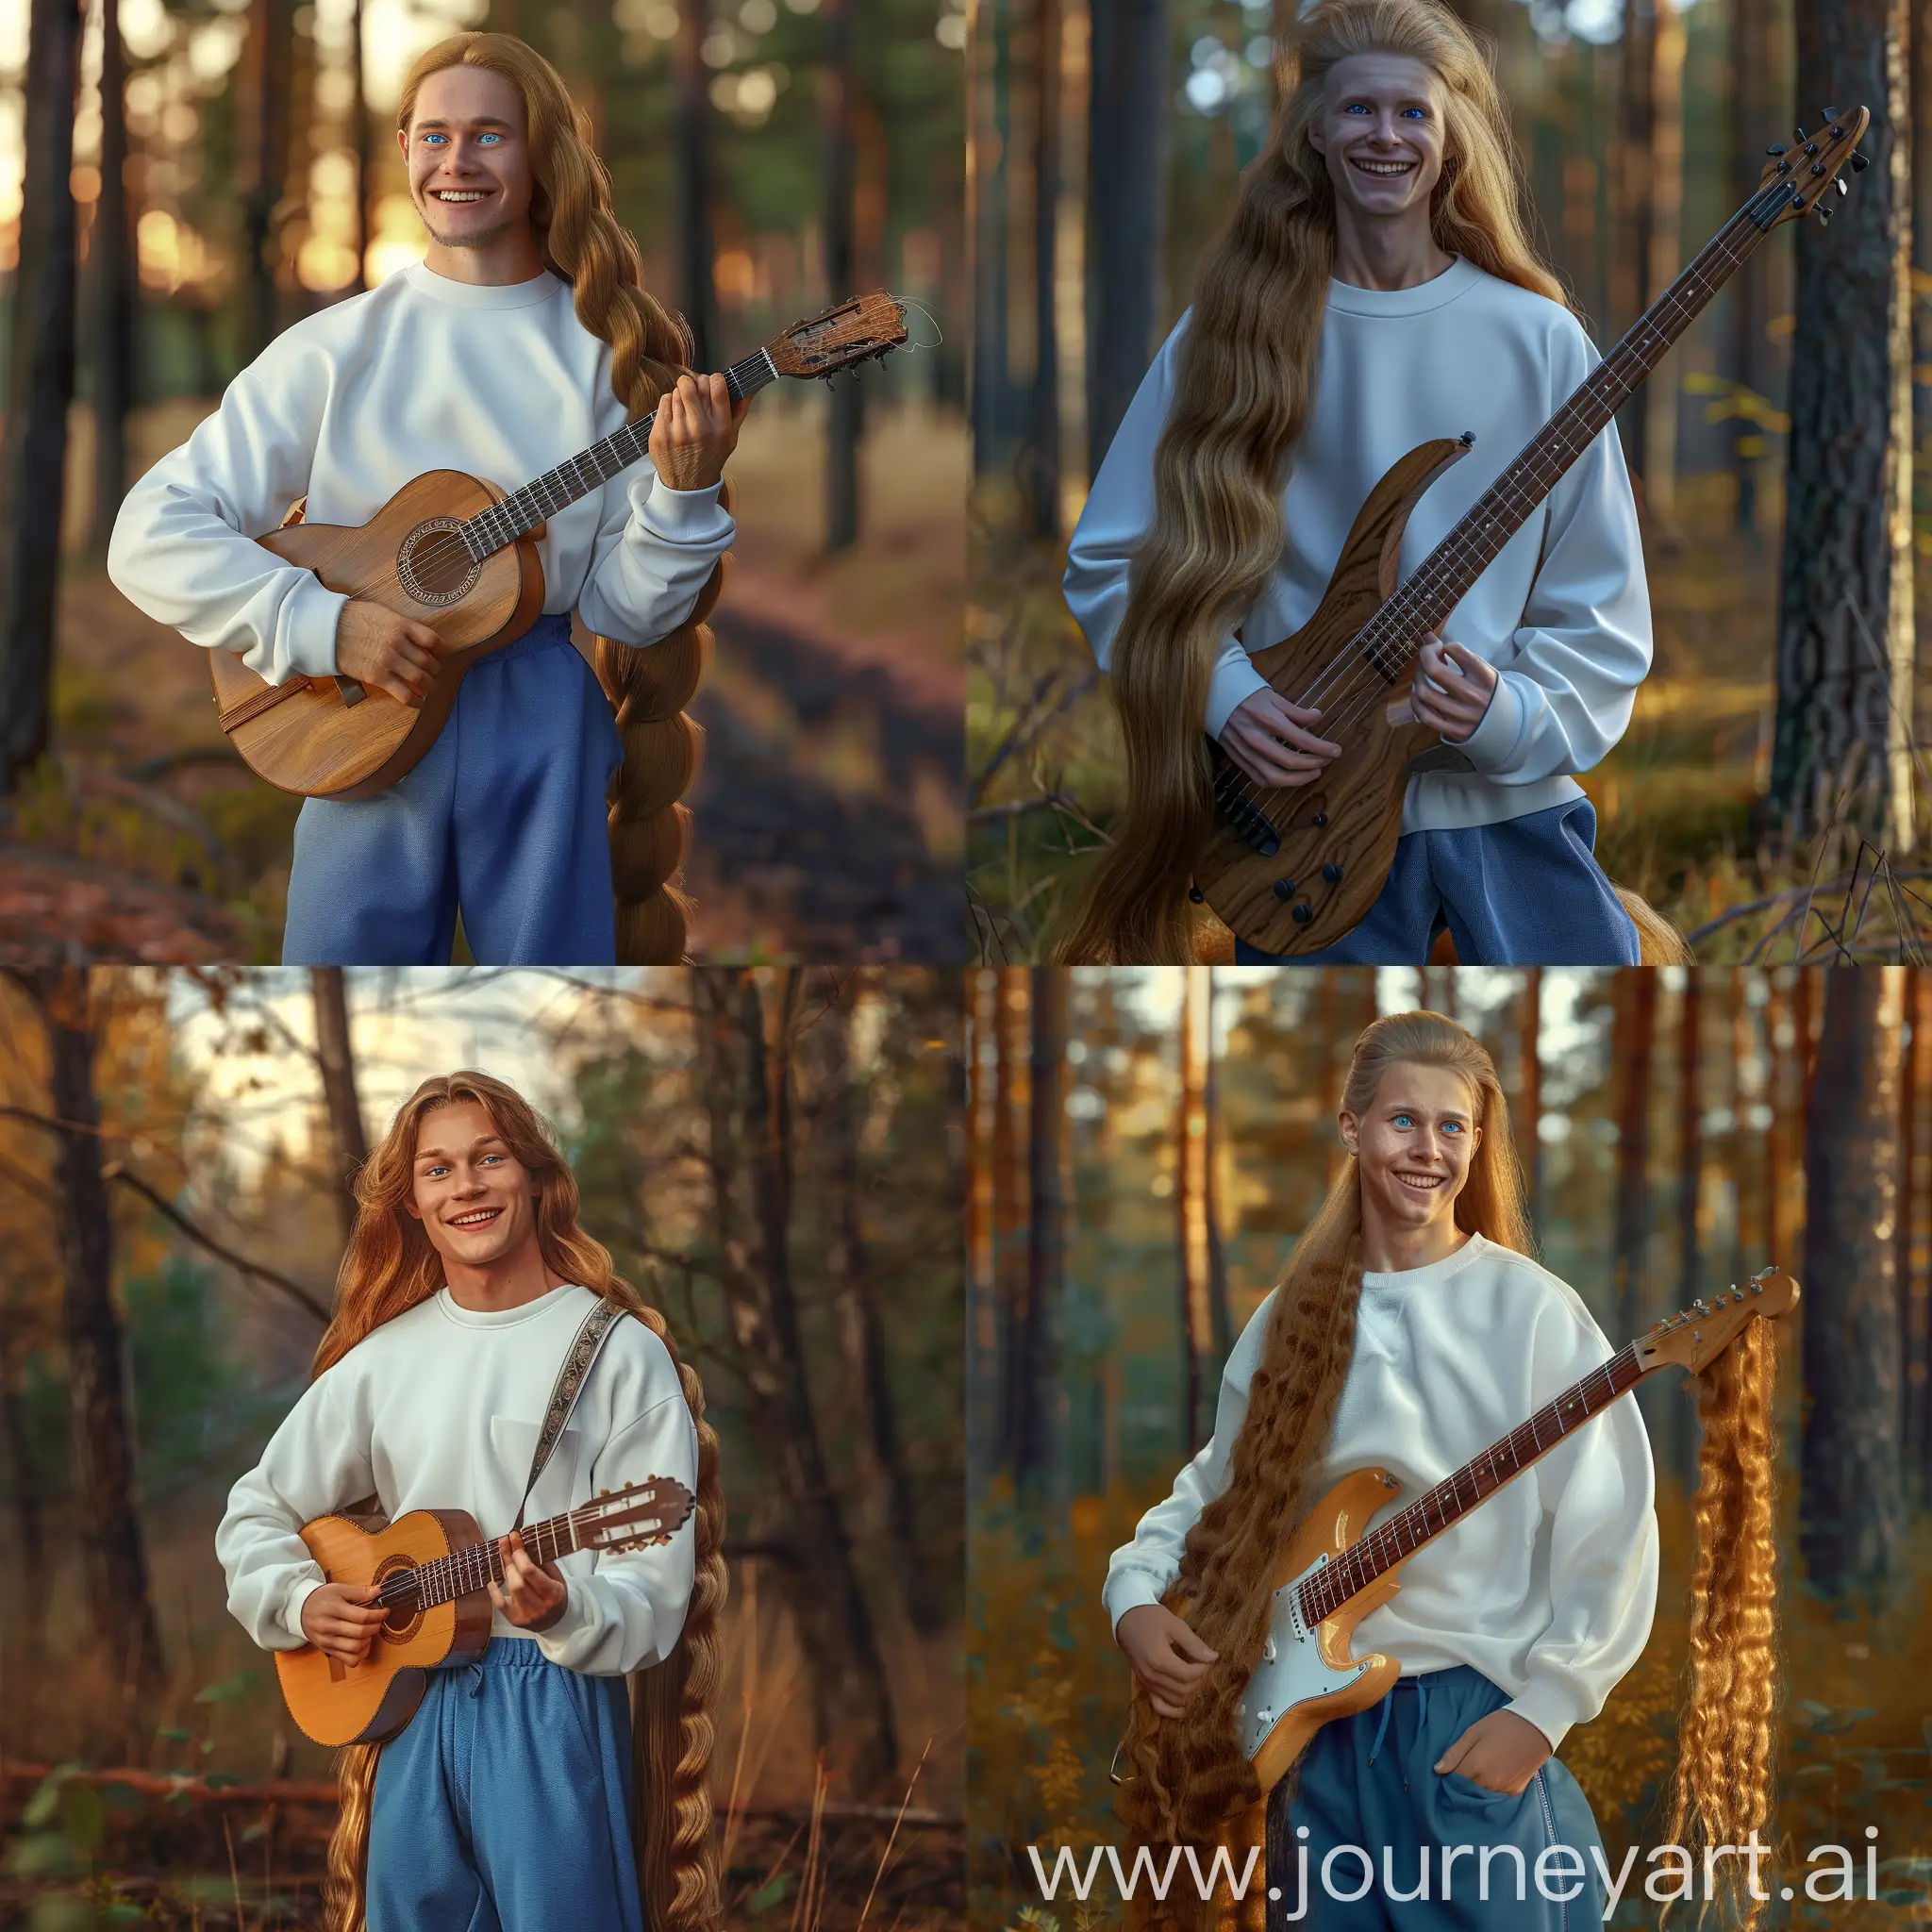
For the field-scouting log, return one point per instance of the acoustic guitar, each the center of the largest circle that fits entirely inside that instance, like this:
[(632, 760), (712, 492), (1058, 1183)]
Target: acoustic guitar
[(1330, 1575), (433, 1571), (459, 555), (1293, 869)]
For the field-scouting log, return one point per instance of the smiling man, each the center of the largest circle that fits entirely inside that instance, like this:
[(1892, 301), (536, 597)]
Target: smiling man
[(523, 337), (1374, 287), (508, 1799)]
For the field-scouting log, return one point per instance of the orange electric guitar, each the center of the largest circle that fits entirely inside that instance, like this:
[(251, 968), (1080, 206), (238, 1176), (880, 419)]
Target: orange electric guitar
[(433, 1570), (1291, 870), (459, 555)]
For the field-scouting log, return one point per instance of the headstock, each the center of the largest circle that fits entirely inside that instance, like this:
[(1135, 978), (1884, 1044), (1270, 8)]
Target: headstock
[(1814, 167), (632, 1518), (861, 330), (1695, 1336)]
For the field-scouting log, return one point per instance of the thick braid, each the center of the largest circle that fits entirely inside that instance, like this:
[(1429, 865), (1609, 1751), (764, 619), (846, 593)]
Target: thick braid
[(673, 1734), (648, 687), (344, 1895)]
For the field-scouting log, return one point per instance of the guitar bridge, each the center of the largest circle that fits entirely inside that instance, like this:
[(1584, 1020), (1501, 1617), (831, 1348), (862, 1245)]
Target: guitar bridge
[(1244, 815)]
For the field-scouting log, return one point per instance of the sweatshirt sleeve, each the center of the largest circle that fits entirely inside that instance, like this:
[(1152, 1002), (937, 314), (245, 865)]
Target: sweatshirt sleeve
[(317, 1461), (183, 548), (654, 550), (1584, 646), (628, 1610), (1598, 1497), (1140, 1572), (1119, 510)]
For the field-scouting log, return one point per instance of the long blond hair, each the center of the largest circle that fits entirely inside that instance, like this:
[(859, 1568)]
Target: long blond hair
[(387, 1268), (580, 241), (1242, 390), (1186, 1778)]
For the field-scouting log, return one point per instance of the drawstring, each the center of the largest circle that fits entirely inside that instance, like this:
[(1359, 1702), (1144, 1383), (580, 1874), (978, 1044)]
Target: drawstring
[(473, 1679), (1422, 1715)]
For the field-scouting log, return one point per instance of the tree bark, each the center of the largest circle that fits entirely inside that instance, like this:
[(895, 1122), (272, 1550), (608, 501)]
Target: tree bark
[(33, 449), (113, 1554), (1751, 131), (112, 252), (337, 1056), (271, 30), (694, 183), (1851, 1516), (837, 106), (745, 1059), (1127, 173), (1044, 435), (1845, 624), (27, 1521), (1665, 175)]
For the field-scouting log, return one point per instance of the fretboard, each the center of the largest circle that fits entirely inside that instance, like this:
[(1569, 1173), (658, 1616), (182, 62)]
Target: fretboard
[(523, 510), (1452, 1498), (1394, 636), (448, 1577)]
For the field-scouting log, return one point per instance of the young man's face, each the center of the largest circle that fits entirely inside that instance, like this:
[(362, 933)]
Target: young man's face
[(471, 1193), (1413, 1145), (1381, 132), (469, 157)]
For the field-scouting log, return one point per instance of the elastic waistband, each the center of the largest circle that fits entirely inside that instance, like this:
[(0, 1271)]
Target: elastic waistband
[(514, 1653), (551, 629)]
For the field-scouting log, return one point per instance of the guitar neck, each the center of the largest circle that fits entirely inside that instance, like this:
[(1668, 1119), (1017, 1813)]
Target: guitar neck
[(1460, 1493), (523, 510), (480, 1564), (1394, 636)]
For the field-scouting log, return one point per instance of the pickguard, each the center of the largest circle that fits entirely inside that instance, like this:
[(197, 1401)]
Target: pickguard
[(1292, 1670)]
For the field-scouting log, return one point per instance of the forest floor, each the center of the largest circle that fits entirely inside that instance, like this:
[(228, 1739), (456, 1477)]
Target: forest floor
[(1679, 802), (827, 814)]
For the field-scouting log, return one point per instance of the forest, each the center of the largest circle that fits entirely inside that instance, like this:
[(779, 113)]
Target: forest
[(1143, 1148), (770, 1153), (181, 180), (1768, 795)]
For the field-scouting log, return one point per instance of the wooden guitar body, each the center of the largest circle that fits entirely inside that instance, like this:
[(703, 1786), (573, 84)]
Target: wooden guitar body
[(1295, 869), (336, 1703), (332, 736)]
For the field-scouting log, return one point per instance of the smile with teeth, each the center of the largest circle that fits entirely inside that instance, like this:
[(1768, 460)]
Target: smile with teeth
[(458, 194), (476, 1217), (1369, 167), (1422, 1183)]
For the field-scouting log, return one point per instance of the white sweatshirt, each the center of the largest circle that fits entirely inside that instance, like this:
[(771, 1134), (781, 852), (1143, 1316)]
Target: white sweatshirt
[(441, 1409), (1396, 367), (1547, 1587), (421, 373)]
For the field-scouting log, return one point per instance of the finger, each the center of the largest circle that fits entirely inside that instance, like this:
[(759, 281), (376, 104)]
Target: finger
[(1276, 771), (1165, 1709)]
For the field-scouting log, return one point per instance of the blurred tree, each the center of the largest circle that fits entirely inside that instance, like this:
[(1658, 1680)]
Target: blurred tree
[(1529, 1086), (270, 50), (33, 446), (1032, 1404), (1751, 116), (1665, 186), (1906, 1230), (1690, 1161), (1850, 1510), (837, 110), (336, 1055), (111, 251), (359, 144), (1631, 1053), (1845, 648), (114, 1557), (982, 1091), (1127, 169), (1043, 456), (1634, 204), (695, 247)]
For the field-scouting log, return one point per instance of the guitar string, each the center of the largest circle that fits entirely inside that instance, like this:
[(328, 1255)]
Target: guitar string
[(1477, 527)]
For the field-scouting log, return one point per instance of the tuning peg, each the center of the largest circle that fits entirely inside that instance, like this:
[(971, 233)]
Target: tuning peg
[(1842, 186), (1824, 215), (1860, 161), (1777, 148), (1800, 135), (1831, 113)]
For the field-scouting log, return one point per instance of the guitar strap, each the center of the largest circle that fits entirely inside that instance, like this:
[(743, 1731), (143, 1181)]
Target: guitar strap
[(570, 1378)]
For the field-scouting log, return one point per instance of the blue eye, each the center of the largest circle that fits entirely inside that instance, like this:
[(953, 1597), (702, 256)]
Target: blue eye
[(1403, 1120), (490, 136), (1357, 108), (1452, 1127)]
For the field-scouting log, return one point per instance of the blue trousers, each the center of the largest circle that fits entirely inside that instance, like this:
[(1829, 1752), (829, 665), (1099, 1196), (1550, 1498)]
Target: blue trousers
[(503, 818), (1526, 892), (1369, 1781), (503, 1804)]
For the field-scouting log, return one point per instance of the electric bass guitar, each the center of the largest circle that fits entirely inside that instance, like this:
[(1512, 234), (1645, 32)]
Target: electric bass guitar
[(1331, 1575), (459, 555), (432, 1570), (1294, 869)]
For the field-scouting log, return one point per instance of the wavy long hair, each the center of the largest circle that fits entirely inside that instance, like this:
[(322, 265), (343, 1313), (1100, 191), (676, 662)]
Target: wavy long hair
[(1186, 1780), (1243, 386), (387, 1268), (581, 242)]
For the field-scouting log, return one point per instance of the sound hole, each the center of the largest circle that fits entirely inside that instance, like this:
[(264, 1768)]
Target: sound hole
[(433, 565), (405, 1618)]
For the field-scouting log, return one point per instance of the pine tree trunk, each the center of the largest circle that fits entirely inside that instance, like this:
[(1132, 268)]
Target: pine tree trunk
[(1631, 217), (27, 1521), (982, 1283), (33, 449), (1751, 132), (1851, 1518), (694, 183), (270, 31), (358, 140), (1666, 176), (1127, 172), (1634, 1038), (1690, 1195), (112, 255), (337, 1055), (1190, 1213), (1845, 624), (1043, 434)]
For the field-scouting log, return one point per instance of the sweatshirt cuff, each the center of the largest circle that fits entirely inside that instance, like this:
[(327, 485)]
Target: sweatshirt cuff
[(1234, 682), (1127, 1589), (561, 1637), (1548, 1707), (309, 623), (292, 1609), (686, 515), (1492, 744)]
